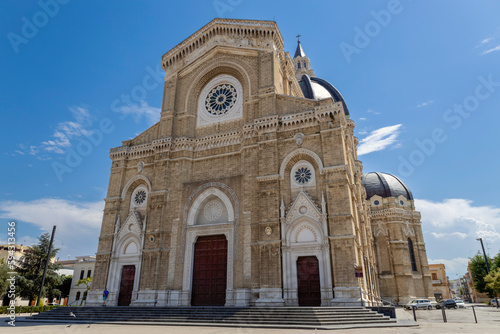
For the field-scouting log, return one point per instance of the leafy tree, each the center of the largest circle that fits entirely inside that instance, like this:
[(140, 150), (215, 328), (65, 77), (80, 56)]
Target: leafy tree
[(65, 286), (88, 284), (4, 284), (496, 262), (493, 282), (30, 270), (479, 271)]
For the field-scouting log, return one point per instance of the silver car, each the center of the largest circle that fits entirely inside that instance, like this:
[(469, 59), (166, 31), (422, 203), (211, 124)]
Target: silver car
[(460, 303), (419, 303)]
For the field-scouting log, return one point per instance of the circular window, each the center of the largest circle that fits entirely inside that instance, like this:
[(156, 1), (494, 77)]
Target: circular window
[(140, 197), (213, 210), (376, 202), (303, 175), (221, 99)]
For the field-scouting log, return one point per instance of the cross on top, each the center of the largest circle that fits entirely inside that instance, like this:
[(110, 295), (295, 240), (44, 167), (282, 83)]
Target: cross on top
[(298, 38)]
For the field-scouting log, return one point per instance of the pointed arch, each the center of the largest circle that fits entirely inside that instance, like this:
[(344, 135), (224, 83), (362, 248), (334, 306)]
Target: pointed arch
[(296, 152)]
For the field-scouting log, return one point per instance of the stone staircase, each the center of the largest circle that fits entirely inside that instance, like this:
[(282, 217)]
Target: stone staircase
[(253, 317)]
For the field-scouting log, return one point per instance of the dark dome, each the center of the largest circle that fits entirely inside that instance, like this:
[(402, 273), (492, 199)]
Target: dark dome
[(385, 185), (318, 89)]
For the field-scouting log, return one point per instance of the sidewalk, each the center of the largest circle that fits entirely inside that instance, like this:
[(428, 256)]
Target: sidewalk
[(460, 321)]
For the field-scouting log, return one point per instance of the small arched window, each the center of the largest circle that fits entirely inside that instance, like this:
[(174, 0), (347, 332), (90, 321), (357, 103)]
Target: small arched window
[(78, 295), (412, 255), (298, 65), (305, 65)]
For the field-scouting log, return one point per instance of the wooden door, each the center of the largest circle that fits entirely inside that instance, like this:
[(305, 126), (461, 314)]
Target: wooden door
[(209, 271), (126, 285), (309, 291)]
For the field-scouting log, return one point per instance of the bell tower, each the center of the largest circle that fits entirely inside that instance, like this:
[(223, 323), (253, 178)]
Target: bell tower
[(301, 62)]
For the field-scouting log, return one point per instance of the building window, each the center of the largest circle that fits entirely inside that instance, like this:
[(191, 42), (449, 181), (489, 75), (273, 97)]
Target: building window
[(305, 65), (434, 276), (82, 273), (78, 295), (89, 273), (412, 255), (298, 64)]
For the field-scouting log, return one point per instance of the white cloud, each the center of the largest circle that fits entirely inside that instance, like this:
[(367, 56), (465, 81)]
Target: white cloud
[(458, 235), (379, 139), (62, 136), (363, 118), (78, 223), (454, 266), (496, 48), (461, 214), (425, 104), (486, 40), (371, 111), (144, 110)]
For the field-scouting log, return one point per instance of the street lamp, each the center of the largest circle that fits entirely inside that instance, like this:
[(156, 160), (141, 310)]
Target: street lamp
[(487, 264)]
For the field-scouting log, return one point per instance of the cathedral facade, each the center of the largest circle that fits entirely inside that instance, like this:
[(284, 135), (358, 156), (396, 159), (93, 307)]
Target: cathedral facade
[(249, 191)]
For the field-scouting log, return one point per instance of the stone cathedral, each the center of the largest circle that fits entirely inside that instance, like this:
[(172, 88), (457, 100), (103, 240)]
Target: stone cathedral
[(249, 191)]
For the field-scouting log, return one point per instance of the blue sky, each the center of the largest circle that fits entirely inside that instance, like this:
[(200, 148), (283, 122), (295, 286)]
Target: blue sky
[(421, 80)]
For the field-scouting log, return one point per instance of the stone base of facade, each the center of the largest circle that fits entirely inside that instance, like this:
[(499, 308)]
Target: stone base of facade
[(270, 297), (347, 296)]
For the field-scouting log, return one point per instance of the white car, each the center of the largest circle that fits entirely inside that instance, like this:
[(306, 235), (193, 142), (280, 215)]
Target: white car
[(460, 303), (419, 303)]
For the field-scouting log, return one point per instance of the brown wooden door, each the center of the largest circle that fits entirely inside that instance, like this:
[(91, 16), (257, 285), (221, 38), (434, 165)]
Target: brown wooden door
[(126, 285), (209, 271), (309, 291)]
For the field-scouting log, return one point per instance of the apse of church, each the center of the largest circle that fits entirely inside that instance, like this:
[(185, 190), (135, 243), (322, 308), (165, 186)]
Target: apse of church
[(249, 191)]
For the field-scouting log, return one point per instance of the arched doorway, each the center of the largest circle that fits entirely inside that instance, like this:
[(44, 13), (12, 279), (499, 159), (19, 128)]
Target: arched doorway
[(209, 271), (126, 285), (308, 284)]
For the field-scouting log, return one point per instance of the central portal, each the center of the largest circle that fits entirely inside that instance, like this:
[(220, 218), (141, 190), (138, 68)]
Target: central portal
[(209, 271), (309, 291)]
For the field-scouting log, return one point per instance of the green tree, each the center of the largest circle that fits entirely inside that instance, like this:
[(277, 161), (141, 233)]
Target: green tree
[(479, 271), (496, 262), (30, 270), (88, 284), (493, 282), (4, 284), (65, 286)]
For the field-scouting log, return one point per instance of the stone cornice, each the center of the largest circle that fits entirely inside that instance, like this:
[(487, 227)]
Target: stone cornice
[(252, 129), (268, 178), (222, 32)]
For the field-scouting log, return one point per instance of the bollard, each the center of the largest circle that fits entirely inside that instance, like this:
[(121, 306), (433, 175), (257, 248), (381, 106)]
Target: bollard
[(414, 314), (444, 313), (474, 311)]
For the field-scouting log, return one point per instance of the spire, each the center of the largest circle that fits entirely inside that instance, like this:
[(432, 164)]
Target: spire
[(302, 63), (299, 52)]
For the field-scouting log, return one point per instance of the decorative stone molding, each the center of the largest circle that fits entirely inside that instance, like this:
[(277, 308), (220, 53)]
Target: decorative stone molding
[(268, 178), (132, 180), (298, 151), (190, 207)]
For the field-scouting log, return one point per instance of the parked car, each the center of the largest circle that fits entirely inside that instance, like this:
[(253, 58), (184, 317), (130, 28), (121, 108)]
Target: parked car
[(493, 302), (419, 303), (52, 304), (460, 303), (448, 303)]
